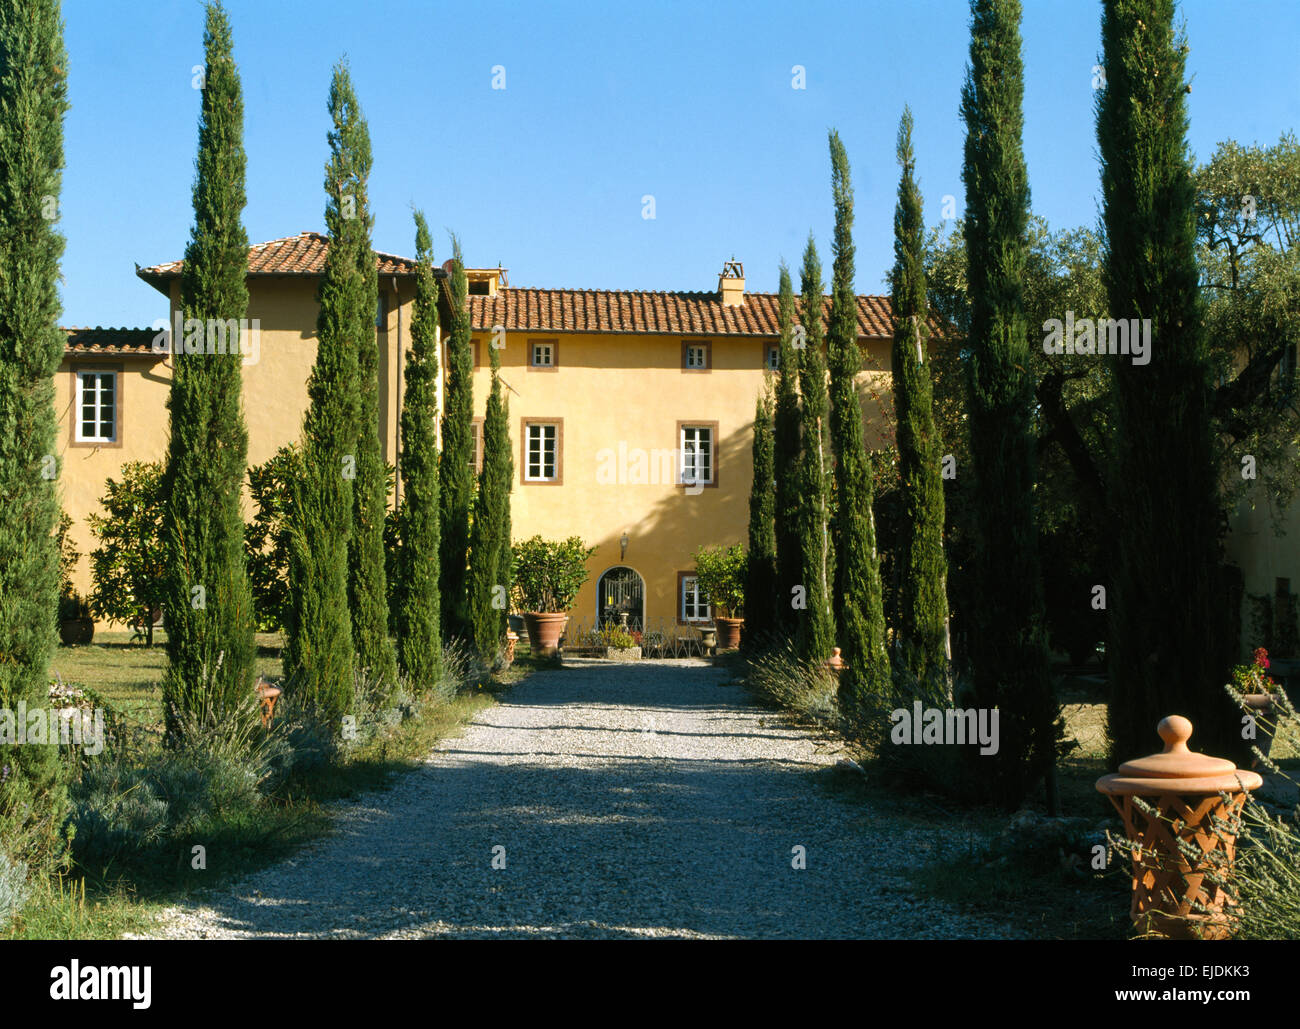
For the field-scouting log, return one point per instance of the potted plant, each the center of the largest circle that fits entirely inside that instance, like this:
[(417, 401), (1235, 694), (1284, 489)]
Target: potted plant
[(548, 576), (75, 624), (1259, 693), (618, 643), (721, 575)]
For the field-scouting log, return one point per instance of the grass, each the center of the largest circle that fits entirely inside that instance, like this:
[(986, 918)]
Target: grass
[(105, 903)]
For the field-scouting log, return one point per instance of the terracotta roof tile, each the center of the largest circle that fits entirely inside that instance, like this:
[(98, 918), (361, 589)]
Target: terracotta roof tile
[(640, 311), (303, 254), (101, 341)]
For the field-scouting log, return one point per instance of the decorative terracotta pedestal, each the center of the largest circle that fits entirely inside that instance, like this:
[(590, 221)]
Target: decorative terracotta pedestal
[(835, 663), (512, 638), (1172, 896), (267, 696)]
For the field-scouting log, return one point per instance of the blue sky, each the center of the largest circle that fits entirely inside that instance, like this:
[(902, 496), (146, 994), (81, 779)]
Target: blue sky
[(691, 103)]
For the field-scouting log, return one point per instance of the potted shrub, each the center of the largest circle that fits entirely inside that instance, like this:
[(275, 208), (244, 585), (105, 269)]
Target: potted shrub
[(75, 623), (1259, 694), (618, 643), (548, 575), (721, 574)]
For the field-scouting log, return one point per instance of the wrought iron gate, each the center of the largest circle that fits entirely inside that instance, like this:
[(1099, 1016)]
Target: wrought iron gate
[(621, 592)]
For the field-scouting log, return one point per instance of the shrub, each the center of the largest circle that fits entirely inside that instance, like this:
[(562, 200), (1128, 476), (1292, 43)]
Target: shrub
[(14, 890), (721, 573), (266, 537), (128, 563), (783, 677), (549, 574)]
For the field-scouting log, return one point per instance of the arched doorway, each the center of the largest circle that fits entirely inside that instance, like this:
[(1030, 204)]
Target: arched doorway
[(621, 591)]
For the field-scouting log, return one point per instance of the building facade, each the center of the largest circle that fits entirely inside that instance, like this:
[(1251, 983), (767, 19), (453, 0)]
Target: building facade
[(631, 412)]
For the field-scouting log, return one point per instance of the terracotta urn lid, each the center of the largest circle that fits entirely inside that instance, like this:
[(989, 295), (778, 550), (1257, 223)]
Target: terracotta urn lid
[(1177, 769)]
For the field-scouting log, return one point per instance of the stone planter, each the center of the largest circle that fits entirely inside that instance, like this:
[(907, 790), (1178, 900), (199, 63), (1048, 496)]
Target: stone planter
[(729, 632), (1263, 706), (76, 631), (1173, 897), (544, 630), (620, 653)]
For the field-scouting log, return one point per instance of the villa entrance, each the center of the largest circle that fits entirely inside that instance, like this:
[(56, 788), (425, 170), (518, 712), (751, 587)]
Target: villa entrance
[(621, 591)]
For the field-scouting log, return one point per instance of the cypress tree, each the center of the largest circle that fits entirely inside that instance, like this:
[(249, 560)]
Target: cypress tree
[(762, 604), (456, 469), (207, 598), (419, 635), (33, 98), (1169, 651), (815, 636), (489, 540), (858, 601), (785, 459), (367, 577), (320, 651), (1008, 639), (923, 597)]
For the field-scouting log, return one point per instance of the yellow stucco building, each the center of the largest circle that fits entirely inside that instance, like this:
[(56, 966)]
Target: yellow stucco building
[(631, 412)]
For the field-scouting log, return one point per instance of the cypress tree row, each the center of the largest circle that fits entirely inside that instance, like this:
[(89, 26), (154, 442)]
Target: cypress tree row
[(33, 98), (207, 598), (1008, 640), (859, 600), (923, 597), (1169, 650), (456, 469), (320, 652), (815, 637), (785, 459), (367, 578), (762, 603), (419, 630), (489, 542)]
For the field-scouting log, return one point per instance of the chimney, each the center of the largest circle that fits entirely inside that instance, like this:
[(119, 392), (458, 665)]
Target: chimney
[(731, 284)]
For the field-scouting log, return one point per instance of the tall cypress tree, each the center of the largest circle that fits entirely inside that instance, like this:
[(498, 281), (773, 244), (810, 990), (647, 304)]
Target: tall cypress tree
[(923, 596), (367, 578), (1008, 640), (456, 469), (785, 459), (816, 622), (762, 604), (859, 601), (489, 541), (1169, 650), (419, 631), (33, 99), (207, 598), (320, 651)]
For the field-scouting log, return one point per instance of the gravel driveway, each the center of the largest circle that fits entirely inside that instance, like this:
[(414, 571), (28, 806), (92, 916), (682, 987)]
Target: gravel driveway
[(640, 800)]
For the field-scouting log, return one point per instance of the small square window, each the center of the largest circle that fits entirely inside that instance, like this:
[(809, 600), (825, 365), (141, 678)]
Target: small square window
[(773, 357), (697, 355), (543, 355)]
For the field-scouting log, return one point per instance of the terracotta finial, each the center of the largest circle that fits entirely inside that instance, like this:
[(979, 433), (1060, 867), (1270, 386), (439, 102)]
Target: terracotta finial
[(1175, 731)]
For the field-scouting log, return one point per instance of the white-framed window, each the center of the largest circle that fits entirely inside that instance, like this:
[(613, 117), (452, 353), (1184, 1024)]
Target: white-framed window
[(476, 448), (543, 355), (696, 454), (773, 357), (96, 407), (697, 356), (542, 452), (694, 607)]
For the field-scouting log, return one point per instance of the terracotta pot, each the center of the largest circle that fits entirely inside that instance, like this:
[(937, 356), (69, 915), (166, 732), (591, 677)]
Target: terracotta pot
[(73, 631), (1264, 703), (544, 629), (729, 632)]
